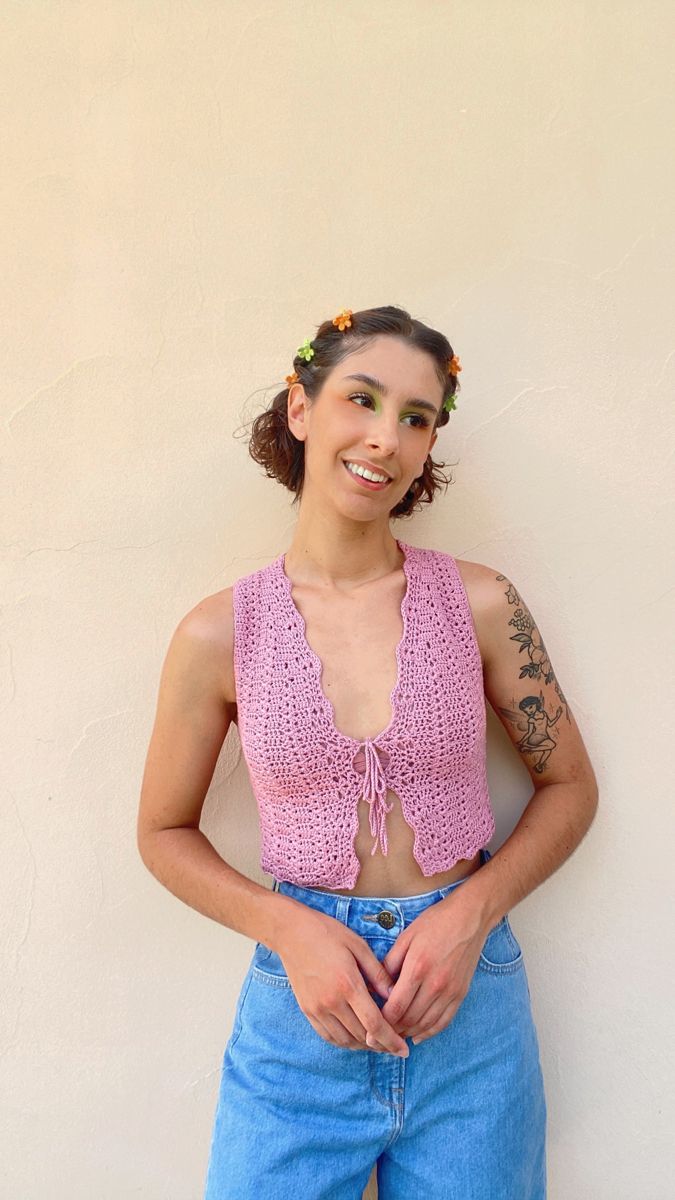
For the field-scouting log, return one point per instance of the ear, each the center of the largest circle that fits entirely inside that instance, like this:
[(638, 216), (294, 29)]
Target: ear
[(297, 411), (433, 441)]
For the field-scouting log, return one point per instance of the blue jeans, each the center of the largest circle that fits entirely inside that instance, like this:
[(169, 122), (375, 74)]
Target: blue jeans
[(462, 1118)]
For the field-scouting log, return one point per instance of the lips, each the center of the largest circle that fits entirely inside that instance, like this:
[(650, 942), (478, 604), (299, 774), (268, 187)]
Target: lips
[(368, 467), (366, 483)]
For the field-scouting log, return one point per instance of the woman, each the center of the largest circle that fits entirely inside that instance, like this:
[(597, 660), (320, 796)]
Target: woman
[(385, 1015)]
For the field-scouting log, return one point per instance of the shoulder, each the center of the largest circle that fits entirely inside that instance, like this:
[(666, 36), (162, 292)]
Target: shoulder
[(497, 607), (481, 582), (207, 632), (486, 589)]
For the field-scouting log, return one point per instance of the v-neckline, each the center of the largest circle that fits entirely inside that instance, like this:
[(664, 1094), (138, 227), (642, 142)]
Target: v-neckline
[(302, 629)]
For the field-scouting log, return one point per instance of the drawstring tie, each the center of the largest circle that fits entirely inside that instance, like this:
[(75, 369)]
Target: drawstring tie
[(374, 790)]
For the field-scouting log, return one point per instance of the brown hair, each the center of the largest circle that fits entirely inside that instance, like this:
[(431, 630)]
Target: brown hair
[(274, 447)]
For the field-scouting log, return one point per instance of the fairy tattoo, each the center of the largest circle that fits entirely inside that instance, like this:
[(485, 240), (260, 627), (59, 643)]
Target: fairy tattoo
[(536, 737)]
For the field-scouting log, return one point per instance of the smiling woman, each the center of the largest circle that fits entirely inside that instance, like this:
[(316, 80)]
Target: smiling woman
[(357, 667), (275, 446)]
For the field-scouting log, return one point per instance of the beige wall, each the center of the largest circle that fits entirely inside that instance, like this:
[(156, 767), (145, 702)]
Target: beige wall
[(187, 191)]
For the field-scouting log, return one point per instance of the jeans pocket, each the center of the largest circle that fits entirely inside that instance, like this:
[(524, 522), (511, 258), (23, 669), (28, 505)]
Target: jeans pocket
[(237, 1023), (501, 953), (267, 967)]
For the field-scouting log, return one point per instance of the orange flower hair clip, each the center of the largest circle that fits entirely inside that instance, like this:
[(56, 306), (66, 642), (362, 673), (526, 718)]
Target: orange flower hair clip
[(343, 319)]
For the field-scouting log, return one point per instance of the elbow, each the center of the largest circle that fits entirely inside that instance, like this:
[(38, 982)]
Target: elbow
[(144, 845), (592, 797)]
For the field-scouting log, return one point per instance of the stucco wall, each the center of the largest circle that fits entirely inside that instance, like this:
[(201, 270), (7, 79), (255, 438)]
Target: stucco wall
[(187, 191)]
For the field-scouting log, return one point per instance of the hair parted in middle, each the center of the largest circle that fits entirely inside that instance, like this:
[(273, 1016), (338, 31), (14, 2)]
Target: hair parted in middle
[(274, 447)]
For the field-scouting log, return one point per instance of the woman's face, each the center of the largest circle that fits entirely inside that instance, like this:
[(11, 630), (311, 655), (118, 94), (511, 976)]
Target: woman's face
[(389, 424)]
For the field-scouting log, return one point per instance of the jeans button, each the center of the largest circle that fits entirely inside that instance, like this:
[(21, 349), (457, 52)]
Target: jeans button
[(386, 919)]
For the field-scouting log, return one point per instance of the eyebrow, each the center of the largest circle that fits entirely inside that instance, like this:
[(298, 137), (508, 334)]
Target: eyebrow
[(380, 387)]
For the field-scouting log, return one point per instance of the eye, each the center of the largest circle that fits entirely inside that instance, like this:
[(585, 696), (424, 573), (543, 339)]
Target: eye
[(361, 396), (424, 423)]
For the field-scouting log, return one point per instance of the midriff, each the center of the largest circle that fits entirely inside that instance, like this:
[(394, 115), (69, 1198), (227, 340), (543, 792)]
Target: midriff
[(398, 873)]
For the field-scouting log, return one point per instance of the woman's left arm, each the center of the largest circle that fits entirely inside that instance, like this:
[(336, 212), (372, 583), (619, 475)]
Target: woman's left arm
[(521, 686), (433, 960)]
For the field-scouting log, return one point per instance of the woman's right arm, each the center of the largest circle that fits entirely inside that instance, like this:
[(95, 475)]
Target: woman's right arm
[(196, 704)]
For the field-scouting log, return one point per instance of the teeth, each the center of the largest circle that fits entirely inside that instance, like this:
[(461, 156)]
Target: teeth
[(366, 474)]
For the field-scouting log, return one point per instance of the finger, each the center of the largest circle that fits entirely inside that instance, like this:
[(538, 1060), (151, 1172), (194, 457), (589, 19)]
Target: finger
[(426, 1008), (373, 1044), (349, 1017), (394, 958), (379, 1031), (346, 1030), (341, 1035), (428, 1029), (377, 978), (361, 1013), (404, 993), (321, 1027), (342, 1021)]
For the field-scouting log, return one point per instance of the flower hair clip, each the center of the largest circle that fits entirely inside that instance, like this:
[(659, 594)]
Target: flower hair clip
[(454, 367), (343, 321), (306, 350)]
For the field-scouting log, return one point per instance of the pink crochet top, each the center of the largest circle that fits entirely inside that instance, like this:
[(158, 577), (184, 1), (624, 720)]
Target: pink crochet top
[(308, 777)]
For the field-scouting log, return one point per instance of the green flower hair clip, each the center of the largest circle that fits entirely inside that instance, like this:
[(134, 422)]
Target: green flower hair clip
[(449, 404), (305, 350)]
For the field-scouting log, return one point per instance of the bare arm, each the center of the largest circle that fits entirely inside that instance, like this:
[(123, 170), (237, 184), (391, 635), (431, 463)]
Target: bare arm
[(195, 707), (516, 670)]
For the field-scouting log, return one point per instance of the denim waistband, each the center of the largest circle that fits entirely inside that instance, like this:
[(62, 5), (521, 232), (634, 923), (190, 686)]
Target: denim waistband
[(403, 909)]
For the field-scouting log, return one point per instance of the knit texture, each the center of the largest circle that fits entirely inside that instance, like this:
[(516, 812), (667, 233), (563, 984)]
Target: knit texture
[(308, 777)]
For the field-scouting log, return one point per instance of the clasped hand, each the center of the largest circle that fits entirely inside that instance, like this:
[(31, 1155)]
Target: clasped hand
[(429, 968), (432, 962)]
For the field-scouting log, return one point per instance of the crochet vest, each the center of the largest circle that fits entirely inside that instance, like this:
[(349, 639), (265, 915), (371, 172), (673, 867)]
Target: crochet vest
[(308, 778)]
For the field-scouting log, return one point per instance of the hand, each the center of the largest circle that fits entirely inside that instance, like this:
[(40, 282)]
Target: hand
[(435, 958), (331, 970)]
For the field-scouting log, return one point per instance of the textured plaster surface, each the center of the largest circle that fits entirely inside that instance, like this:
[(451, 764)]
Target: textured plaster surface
[(187, 191)]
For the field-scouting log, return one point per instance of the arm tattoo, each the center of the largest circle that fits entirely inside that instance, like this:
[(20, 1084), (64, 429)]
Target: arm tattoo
[(531, 716)]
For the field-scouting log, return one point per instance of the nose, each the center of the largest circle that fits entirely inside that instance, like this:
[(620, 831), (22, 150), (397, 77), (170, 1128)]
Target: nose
[(384, 435)]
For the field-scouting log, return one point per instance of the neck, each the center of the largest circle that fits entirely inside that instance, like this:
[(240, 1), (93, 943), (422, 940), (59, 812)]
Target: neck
[(350, 554)]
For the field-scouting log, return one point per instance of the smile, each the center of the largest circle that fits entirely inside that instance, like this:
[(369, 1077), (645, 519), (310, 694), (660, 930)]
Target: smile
[(372, 484)]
